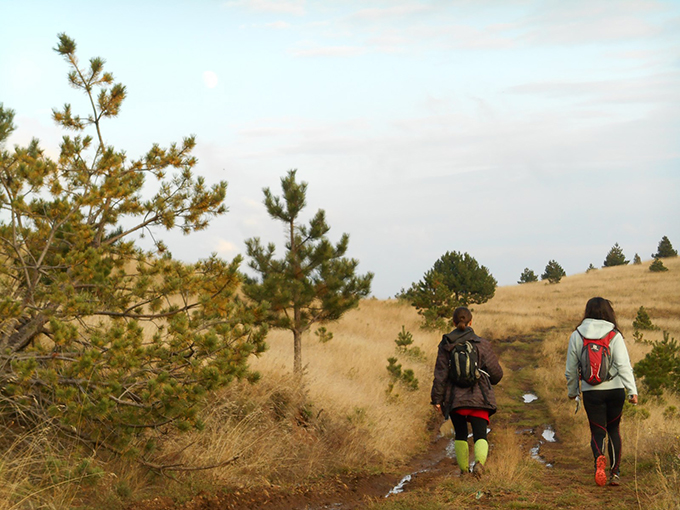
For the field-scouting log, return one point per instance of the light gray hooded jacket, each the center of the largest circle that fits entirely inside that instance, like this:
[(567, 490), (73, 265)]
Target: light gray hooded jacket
[(621, 369)]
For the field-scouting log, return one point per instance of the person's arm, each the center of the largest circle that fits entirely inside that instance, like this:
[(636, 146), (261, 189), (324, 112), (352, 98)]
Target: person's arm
[(571, 372), (441, 372), (622, 366), (490, 363)]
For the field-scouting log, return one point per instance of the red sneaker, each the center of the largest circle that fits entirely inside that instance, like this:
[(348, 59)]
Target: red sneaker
[(600, 475)]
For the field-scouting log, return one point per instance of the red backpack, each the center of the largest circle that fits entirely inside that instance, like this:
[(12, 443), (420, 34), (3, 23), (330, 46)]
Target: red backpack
[(596, 358)]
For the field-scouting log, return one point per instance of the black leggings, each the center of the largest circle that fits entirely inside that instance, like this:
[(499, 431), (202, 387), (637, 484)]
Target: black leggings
[(460, 426), (604, 408)]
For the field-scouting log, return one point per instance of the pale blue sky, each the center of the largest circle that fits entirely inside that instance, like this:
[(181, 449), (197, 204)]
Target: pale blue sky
[(518, 131)]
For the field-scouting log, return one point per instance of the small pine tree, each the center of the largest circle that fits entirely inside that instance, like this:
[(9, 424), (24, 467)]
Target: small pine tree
[(313, 283), (660, 368), (527, 276), (406, 377), (615, 257), (643, 321), (591, 267), (665, 249), (404, 339), (324, 335), (657, 266), (637, 260), (553, 272)]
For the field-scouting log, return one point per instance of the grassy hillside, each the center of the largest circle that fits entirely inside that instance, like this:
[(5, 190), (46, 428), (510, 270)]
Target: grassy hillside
[(340, 418)]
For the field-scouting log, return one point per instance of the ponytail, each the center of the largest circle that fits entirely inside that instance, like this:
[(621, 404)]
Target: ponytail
[(461, 318)]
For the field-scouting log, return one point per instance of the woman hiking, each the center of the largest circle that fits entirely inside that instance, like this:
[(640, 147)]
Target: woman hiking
[(603, 401), (472, 404)]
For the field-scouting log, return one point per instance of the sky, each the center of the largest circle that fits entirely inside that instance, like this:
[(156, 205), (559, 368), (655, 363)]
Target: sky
[(517, 131)]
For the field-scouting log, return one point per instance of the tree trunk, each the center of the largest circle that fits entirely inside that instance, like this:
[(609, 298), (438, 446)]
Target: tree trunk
[(24, 334), (297, 352)]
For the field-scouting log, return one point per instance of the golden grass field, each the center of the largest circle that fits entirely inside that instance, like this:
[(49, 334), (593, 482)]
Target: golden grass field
[(341, 419)]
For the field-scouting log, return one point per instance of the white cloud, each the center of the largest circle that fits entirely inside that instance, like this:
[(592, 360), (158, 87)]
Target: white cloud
[(210, 79), (661, 88), (580, 22), (296, 7), (379, 14), (226, 248), (279, 25), (327, 51)]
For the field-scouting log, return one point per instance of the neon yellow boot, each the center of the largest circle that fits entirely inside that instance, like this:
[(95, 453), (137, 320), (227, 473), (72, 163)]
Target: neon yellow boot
[(481, 451), (462, 455)]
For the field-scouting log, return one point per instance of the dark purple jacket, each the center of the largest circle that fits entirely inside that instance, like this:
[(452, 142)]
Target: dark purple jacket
[(481, 395)]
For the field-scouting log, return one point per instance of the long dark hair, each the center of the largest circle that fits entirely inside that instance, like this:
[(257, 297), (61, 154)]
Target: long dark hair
[(461, 317), (600, 308)]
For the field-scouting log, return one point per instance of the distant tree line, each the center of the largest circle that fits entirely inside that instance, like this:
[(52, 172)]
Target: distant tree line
[(554, 272)]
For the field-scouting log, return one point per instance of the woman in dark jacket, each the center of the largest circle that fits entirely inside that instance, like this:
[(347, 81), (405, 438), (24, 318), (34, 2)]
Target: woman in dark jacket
[(474, 404)]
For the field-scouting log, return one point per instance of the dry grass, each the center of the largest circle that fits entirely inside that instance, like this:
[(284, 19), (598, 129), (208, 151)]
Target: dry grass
[(341, 417), (350, 423), (524, 309)]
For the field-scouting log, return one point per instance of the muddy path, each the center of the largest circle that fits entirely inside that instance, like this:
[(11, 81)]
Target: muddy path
[(560, 476)]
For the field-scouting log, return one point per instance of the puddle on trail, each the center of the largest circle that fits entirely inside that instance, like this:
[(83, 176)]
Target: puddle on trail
[(549, 436), (529, 398), (399, 488)]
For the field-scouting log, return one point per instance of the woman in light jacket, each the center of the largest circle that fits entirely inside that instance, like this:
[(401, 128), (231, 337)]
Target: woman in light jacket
[(603, 402)]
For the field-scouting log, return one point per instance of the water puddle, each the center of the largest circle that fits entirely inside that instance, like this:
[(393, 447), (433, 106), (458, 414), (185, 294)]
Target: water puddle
[(548, 435), (399, 488), (529, 398)]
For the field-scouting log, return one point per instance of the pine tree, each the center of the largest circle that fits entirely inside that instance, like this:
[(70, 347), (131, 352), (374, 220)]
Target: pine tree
[(313, 282), (553, 272), (456, 279), (660, 368), (527, 276), (665, 249), (636, 260), (105, 338), (404, 340), (591, 267), (643, 321), (657, 266), (615, 257)]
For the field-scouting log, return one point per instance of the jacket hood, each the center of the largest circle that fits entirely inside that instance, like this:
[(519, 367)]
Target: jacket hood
[(595, 328), (457, 335)]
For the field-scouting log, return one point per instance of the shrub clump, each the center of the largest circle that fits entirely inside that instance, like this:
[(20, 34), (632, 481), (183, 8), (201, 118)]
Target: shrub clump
[(660, 368), (406, 377), (657, 266)]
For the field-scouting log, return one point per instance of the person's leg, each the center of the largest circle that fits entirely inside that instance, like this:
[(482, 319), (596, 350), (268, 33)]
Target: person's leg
[(461, 445), (479, 426), (595, 405), (615, 401)]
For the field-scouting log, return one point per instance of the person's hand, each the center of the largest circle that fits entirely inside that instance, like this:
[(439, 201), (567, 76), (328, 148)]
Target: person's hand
[(633, 399), (438, 407)]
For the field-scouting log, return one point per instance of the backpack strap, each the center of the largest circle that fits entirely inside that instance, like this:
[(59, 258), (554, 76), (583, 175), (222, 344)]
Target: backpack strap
[(607, 337)]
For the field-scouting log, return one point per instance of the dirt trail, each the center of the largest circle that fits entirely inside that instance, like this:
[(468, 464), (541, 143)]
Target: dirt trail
[(563, 479)]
